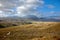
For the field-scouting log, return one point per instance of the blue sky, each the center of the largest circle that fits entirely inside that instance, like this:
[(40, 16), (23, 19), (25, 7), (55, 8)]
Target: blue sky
[(55, 9), (56, 3), (40, 8)]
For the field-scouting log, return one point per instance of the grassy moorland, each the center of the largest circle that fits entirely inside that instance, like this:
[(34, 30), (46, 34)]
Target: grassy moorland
[(35, 31)]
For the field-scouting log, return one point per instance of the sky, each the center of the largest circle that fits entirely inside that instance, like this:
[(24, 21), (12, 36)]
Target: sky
[(39, 8)]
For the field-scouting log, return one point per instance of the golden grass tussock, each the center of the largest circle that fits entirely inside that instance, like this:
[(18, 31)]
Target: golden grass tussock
[(35, 31)]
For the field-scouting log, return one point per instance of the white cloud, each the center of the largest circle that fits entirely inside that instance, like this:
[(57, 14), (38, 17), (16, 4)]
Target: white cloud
[(24, 7), (0, 4), (52, 12), (29, 6), (51, 6), (2, 14), (1, 11), (30, 1), (7, 7)]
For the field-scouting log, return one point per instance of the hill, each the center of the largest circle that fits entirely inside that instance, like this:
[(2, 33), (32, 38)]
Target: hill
[(35, 31)]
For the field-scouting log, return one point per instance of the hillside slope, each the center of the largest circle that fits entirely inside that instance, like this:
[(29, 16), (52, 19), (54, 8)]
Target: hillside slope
[(36, 31)]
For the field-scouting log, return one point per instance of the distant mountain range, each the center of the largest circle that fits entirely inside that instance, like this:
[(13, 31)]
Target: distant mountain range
[(51, 18), (32, 18)]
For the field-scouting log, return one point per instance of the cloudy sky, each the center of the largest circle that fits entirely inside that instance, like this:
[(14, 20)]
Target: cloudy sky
[(40, 8)]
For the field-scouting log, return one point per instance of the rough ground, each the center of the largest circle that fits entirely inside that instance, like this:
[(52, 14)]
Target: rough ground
[(35, 31)]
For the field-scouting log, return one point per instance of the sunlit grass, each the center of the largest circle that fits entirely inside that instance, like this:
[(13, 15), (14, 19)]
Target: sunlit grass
[(35, 31)]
